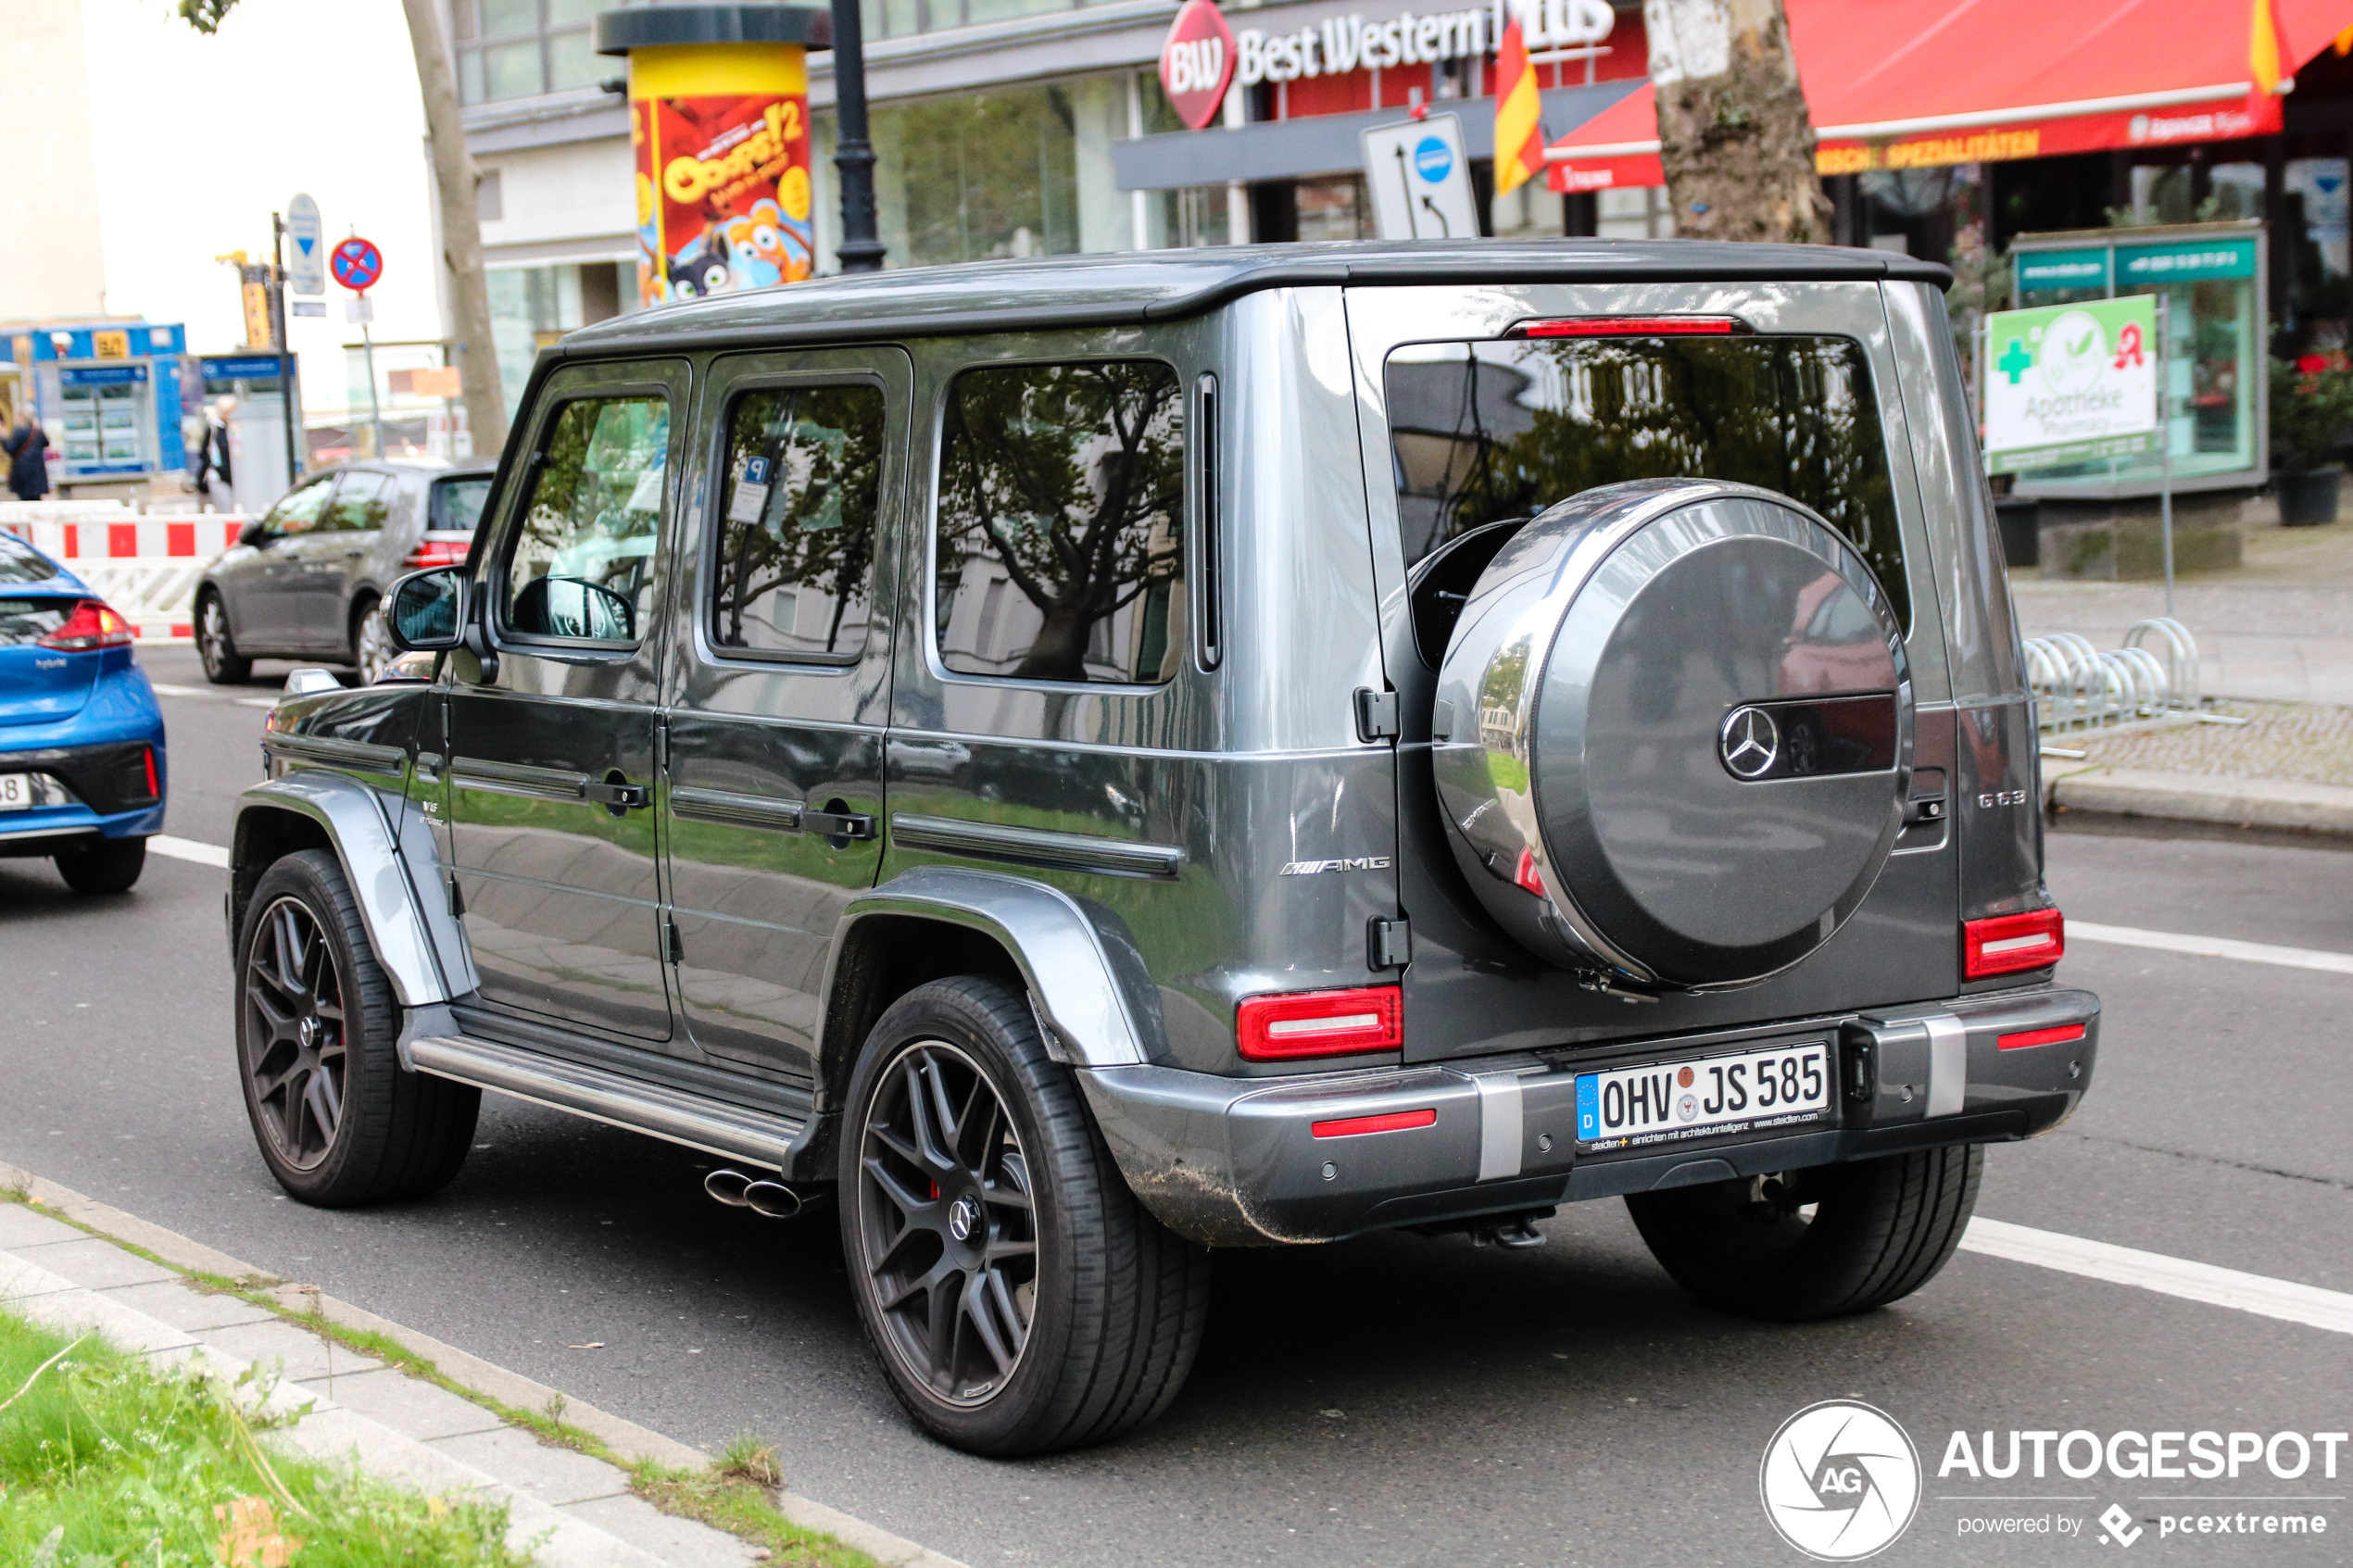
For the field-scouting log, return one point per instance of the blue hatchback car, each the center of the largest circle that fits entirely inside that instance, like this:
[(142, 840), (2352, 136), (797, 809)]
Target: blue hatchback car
[(82, 758)]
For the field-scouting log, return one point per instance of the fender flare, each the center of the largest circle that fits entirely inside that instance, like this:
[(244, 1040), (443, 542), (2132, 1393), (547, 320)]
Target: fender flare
[(1096, 1003), (421, 947)]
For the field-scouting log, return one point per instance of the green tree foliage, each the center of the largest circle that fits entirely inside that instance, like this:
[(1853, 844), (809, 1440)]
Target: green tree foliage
[(817, 530), (1073, 477)]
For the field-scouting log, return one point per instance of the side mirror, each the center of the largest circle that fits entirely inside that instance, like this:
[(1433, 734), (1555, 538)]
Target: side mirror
[(253, 533), (572, 607), (426, 609)]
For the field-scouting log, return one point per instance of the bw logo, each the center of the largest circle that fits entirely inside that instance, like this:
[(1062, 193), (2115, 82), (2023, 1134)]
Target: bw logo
[(1841, 1481)]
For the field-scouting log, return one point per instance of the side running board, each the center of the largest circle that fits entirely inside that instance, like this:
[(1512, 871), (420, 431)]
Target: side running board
[(759, 1138)]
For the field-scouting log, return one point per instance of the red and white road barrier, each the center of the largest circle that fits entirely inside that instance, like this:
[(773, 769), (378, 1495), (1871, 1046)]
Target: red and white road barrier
[(145, 564)]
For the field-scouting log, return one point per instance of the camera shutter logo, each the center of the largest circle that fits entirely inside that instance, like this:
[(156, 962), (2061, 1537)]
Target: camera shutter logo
[(1750, 743), (1841, 1481)]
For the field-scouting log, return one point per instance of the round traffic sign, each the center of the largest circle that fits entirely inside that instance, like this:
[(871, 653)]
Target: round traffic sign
[(357, 263)]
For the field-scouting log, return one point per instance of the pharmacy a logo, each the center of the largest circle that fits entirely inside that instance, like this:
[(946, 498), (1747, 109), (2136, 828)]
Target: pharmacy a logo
[(1841, 1481)]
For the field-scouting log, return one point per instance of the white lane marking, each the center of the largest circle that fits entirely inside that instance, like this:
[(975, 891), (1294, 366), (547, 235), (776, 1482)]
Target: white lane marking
[(189, 849), (2212, 946), (254, 701), (2307, 1304), (162, 690)]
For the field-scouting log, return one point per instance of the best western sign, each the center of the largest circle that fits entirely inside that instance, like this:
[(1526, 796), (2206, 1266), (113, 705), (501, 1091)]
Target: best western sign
[(1202, 57)]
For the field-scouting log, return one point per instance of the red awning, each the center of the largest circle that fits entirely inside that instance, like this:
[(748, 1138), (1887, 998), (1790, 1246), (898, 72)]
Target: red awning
[(1919, 83)]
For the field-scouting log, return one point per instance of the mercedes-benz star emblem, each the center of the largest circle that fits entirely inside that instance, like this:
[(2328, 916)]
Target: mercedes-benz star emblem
[(1750, 743), (964, 1219)]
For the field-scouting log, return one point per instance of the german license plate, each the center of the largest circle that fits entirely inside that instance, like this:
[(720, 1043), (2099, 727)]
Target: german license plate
[(15, 791), (1670, 1102)]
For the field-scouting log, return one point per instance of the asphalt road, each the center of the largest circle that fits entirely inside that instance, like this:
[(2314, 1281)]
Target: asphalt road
[(1392, 1400)]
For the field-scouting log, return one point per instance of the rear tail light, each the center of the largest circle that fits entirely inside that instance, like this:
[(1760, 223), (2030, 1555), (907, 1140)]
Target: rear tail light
[(2005, 943), (431, 552), (1388, 1121), (1635, 326), (1305, 1024), (91, 625)]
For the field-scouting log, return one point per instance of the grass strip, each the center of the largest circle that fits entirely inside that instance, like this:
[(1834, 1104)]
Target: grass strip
[(106, 1458), (736, 1495)]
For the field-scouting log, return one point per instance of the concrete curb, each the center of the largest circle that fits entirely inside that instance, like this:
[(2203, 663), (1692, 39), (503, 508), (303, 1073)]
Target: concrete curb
[(96, 1284), (2206, 798)]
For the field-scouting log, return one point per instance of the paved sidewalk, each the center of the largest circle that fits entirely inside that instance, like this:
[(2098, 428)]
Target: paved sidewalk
[(572, 1509)]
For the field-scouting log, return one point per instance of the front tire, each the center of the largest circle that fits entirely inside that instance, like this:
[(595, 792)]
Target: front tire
[(111, 865), (338, 1123), (1016, 1295), (224, 666), (1818, 1243)]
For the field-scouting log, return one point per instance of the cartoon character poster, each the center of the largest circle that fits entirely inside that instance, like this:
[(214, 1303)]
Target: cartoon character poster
[(722, 193)]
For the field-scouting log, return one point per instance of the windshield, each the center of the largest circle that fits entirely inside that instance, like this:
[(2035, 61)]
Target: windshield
[(1485, 431), (457, 503)]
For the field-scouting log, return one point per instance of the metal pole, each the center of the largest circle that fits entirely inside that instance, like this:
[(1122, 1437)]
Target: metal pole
[(2165, 437), (860, 250), (375, 410), (285, 343)]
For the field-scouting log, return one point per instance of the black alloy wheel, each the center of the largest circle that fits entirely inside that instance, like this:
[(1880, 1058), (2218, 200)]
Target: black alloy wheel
[(336, 1118), (224, 666), (948, 1233), (294, 1034), (371, 647), (1016, 1295)]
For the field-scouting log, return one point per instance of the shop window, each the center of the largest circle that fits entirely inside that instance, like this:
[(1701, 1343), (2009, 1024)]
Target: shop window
[(978, 175), (525, 48), (1642, 213), (1061, 547), (795, 558)]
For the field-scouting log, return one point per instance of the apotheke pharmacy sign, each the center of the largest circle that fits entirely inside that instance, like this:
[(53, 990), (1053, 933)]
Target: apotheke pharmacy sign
[(1201, 56), (2071, 383)]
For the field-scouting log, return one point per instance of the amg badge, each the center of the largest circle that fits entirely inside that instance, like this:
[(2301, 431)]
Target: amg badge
[(1314, 868)]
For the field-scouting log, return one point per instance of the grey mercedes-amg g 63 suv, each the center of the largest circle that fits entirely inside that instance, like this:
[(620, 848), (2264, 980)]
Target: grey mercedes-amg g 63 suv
[(1077, 763)]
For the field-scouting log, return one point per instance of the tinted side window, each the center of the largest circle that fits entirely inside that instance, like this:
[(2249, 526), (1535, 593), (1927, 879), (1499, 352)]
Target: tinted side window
[(1483, 432), (581, 565), (795, 566), (1061, 523), (363, 502), (299, 511)]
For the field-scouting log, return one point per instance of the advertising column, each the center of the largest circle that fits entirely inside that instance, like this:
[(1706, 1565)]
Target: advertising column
[(719, 120)]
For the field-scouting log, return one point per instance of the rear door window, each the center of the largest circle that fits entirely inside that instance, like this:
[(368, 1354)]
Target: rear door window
[(299, 511), (360, 504), (1487, 431), (1061, 547), (794, 567)]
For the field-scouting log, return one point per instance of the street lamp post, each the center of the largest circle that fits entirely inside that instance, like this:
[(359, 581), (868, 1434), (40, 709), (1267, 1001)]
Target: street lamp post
[(854, 155)]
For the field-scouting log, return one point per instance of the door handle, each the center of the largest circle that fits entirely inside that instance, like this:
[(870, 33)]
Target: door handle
[(618, 796), (1927, 809), (837, 825)]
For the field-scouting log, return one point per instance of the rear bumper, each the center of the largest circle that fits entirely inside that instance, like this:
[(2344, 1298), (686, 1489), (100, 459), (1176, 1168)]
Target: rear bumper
[(1236, 1161), (109, 781)]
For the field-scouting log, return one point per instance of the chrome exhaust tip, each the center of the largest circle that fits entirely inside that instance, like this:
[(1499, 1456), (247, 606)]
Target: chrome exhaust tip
[(728, 1187), (773, 1199)]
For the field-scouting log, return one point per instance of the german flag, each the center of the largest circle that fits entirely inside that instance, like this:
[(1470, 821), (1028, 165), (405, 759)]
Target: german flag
[(1519, 138)]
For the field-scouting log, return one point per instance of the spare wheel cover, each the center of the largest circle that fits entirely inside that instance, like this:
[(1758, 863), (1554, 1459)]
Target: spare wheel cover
[(1680, 724)]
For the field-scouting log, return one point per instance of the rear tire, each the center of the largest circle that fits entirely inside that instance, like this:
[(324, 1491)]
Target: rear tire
[(370, 649), (338, 1123), (1879, 1229), (111, 865), (224, 666), (1072, 1315)]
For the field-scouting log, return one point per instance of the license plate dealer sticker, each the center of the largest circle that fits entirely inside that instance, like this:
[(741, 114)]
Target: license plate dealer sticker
[(15, 791), (1669, 1102)]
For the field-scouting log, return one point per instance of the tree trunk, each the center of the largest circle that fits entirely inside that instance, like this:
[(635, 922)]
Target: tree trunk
[(455, 176), (1733, 132)]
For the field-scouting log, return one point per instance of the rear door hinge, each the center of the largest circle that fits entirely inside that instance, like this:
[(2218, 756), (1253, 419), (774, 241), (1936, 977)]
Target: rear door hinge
[(1389, 944), (673, 946), (1376, 715)]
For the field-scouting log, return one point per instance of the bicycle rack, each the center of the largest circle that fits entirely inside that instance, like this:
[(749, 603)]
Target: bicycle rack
[(2081, 691)]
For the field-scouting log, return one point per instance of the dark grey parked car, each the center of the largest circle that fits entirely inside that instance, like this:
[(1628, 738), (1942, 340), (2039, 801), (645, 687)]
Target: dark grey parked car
[(1076, 763), (304, 580)]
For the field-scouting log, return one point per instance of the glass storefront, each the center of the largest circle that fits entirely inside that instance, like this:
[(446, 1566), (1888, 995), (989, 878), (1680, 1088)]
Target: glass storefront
[(532, 307)]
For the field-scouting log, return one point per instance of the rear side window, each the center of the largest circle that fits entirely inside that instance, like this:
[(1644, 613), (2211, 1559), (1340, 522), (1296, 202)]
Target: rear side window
[(1061, 547), (1486, 432), (457, 503), (362, 504), (20, 563), (796, 551), (23, 621), (583, 561)]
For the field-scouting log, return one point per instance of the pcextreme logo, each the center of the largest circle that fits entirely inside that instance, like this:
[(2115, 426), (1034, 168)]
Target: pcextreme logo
[(1841, 1481)]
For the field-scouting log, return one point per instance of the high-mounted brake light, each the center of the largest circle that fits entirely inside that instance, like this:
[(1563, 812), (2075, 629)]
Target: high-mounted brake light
[(2005, 943), (431, 552), (1635, 326), (1304, 1023), (91, 625), (2058, 1035), (1387, 1122)]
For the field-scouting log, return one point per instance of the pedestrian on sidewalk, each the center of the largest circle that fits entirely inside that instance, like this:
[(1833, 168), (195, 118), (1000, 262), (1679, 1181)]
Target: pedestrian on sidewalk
[(215, 479), (28, 450)]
